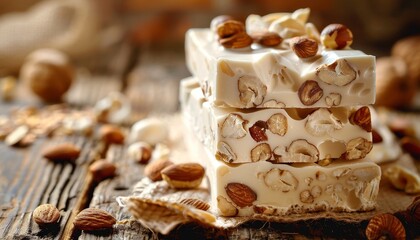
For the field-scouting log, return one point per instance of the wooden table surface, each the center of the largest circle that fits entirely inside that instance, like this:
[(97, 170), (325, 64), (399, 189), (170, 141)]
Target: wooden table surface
[(27, 180)]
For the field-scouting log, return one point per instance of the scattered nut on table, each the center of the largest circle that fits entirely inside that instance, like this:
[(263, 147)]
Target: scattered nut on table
[(102, 169), (46, 215), (92, 219), (63, 152), (48, 73)]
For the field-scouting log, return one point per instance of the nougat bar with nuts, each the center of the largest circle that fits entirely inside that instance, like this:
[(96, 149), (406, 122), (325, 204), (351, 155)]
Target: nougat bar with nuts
[(277, 135), (264, 188), (275, 77)]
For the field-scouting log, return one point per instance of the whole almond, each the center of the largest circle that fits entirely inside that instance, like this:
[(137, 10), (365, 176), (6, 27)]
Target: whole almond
[(240, 194), (102, 169), (91, 219), (183, 175), (46, 215), (111, 134), (304, 47), (64, 152), (153, 169)]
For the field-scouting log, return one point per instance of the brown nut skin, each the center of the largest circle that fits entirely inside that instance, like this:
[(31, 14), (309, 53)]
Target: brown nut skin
[(376, 137), (238, 40), (183, 175), (93, 219), (257, 131), (153, 169), (64, 152), (385, 225), (229, 28), (46, 215), (111, 134), (394, 89), (48, 73), (310, 92), (362, 118), (412, 146), (219, 20), (102, 169), (267, 39), (240, 194), (336, 36), (304, 47)]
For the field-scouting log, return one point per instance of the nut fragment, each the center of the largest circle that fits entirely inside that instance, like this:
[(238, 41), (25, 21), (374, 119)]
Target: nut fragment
[(226, 69), (102, 169), (46, 215), (229, 28), (225, 153), (306, 197), (280, 180), (257, 131), (17, 135), (64, 152), (111, 134), (234, 126), (336, 36), (411, 145), (240, 194), (140, 152), (310, 92), (376, 137), (304, 47), (239, 40), (183, 175), (115, 108), (322, 122), (267, 39), (262, 152), (91, 219), (403, 179), (362, 118), (302, 151), (197, 203), (357, 148), (153, 169), (225, 207), (385, 225), (150, 130), (251, 91), (338, 73), (333, 99), (277, 124)]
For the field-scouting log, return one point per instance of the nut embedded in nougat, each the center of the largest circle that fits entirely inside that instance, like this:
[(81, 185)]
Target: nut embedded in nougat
[(338, 73), (257, 131), (241, 194), (280, 180), (357, 148), (225, 207), (234, 126), (277, 124), (310, 92), (261, 152), (225, 153), (302, 151), (362, 118), (322, 122), (251, 91)]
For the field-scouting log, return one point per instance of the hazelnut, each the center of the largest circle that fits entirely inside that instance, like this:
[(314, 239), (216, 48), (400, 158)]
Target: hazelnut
[(385, 225), (141, 152), (336, 36), (111, 134), (339, 73), (48, 73), (304, 47), (261, 152), (251, 91), (234, 126), (257, 131), (310, 92)]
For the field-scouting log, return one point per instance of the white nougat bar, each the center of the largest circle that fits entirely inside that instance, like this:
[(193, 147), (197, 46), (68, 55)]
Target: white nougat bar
[(276, 77), (276, 135), (280, 189)]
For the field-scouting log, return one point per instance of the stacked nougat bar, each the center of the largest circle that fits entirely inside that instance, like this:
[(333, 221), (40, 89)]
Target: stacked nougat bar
[(280, 134)]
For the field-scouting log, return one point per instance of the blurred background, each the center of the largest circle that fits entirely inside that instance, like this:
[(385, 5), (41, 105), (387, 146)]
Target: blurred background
[(140, 43)]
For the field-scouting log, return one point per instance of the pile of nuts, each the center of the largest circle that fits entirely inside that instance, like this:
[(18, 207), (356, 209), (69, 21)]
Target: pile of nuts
[(271, 30)]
